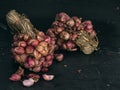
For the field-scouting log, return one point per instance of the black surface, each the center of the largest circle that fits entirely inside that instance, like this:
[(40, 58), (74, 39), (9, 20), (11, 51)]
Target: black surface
[(99, 71)]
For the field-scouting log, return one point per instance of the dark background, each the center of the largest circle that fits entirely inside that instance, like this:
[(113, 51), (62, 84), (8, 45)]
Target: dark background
[(99, 71)]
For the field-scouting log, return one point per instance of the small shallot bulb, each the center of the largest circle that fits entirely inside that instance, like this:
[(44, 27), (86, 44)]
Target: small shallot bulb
[(15, 77), (48, 77), (35, 77), (47, 39), (26, 37), (59, 57), (58, 30), (74, 36), (64, 46), (40, 35), (77, 21), (50, 32), (63, 17), (22, 44), (87, 22), (89, 26), (15, 43), (47, 63), (43, 48), (64, 35), (59, 42), (33, 42), (26, 65), (70, 22), (29, 49), (70, 45), (49, 57), (28, 82), (23, 57), (44, 69), (31, 62), (37, 69), (20, 71), (15, 38), (17, 58), (19, 50), (55, 23), (53, 41), (36, 54), (20, 36)]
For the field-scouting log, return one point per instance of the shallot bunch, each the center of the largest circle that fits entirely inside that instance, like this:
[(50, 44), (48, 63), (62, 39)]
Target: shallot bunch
[(71, 33), (31, 48), (35, 53)]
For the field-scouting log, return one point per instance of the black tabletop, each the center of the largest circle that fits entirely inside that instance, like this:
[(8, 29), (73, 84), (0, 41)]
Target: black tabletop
[(98, 71)]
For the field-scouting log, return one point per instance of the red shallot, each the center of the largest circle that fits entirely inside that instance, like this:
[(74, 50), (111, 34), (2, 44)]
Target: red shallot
[(47, 77)]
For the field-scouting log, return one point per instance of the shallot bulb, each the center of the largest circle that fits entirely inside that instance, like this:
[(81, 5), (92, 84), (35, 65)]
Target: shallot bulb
[(15, 77), (59, 57), (63, 17), (47, 77), (28, 82), (44, 69), (35, 77)]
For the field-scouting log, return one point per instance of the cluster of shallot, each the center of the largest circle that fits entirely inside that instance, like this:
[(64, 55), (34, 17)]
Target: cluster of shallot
[(67, 30), (31, 49), (34, 54)]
